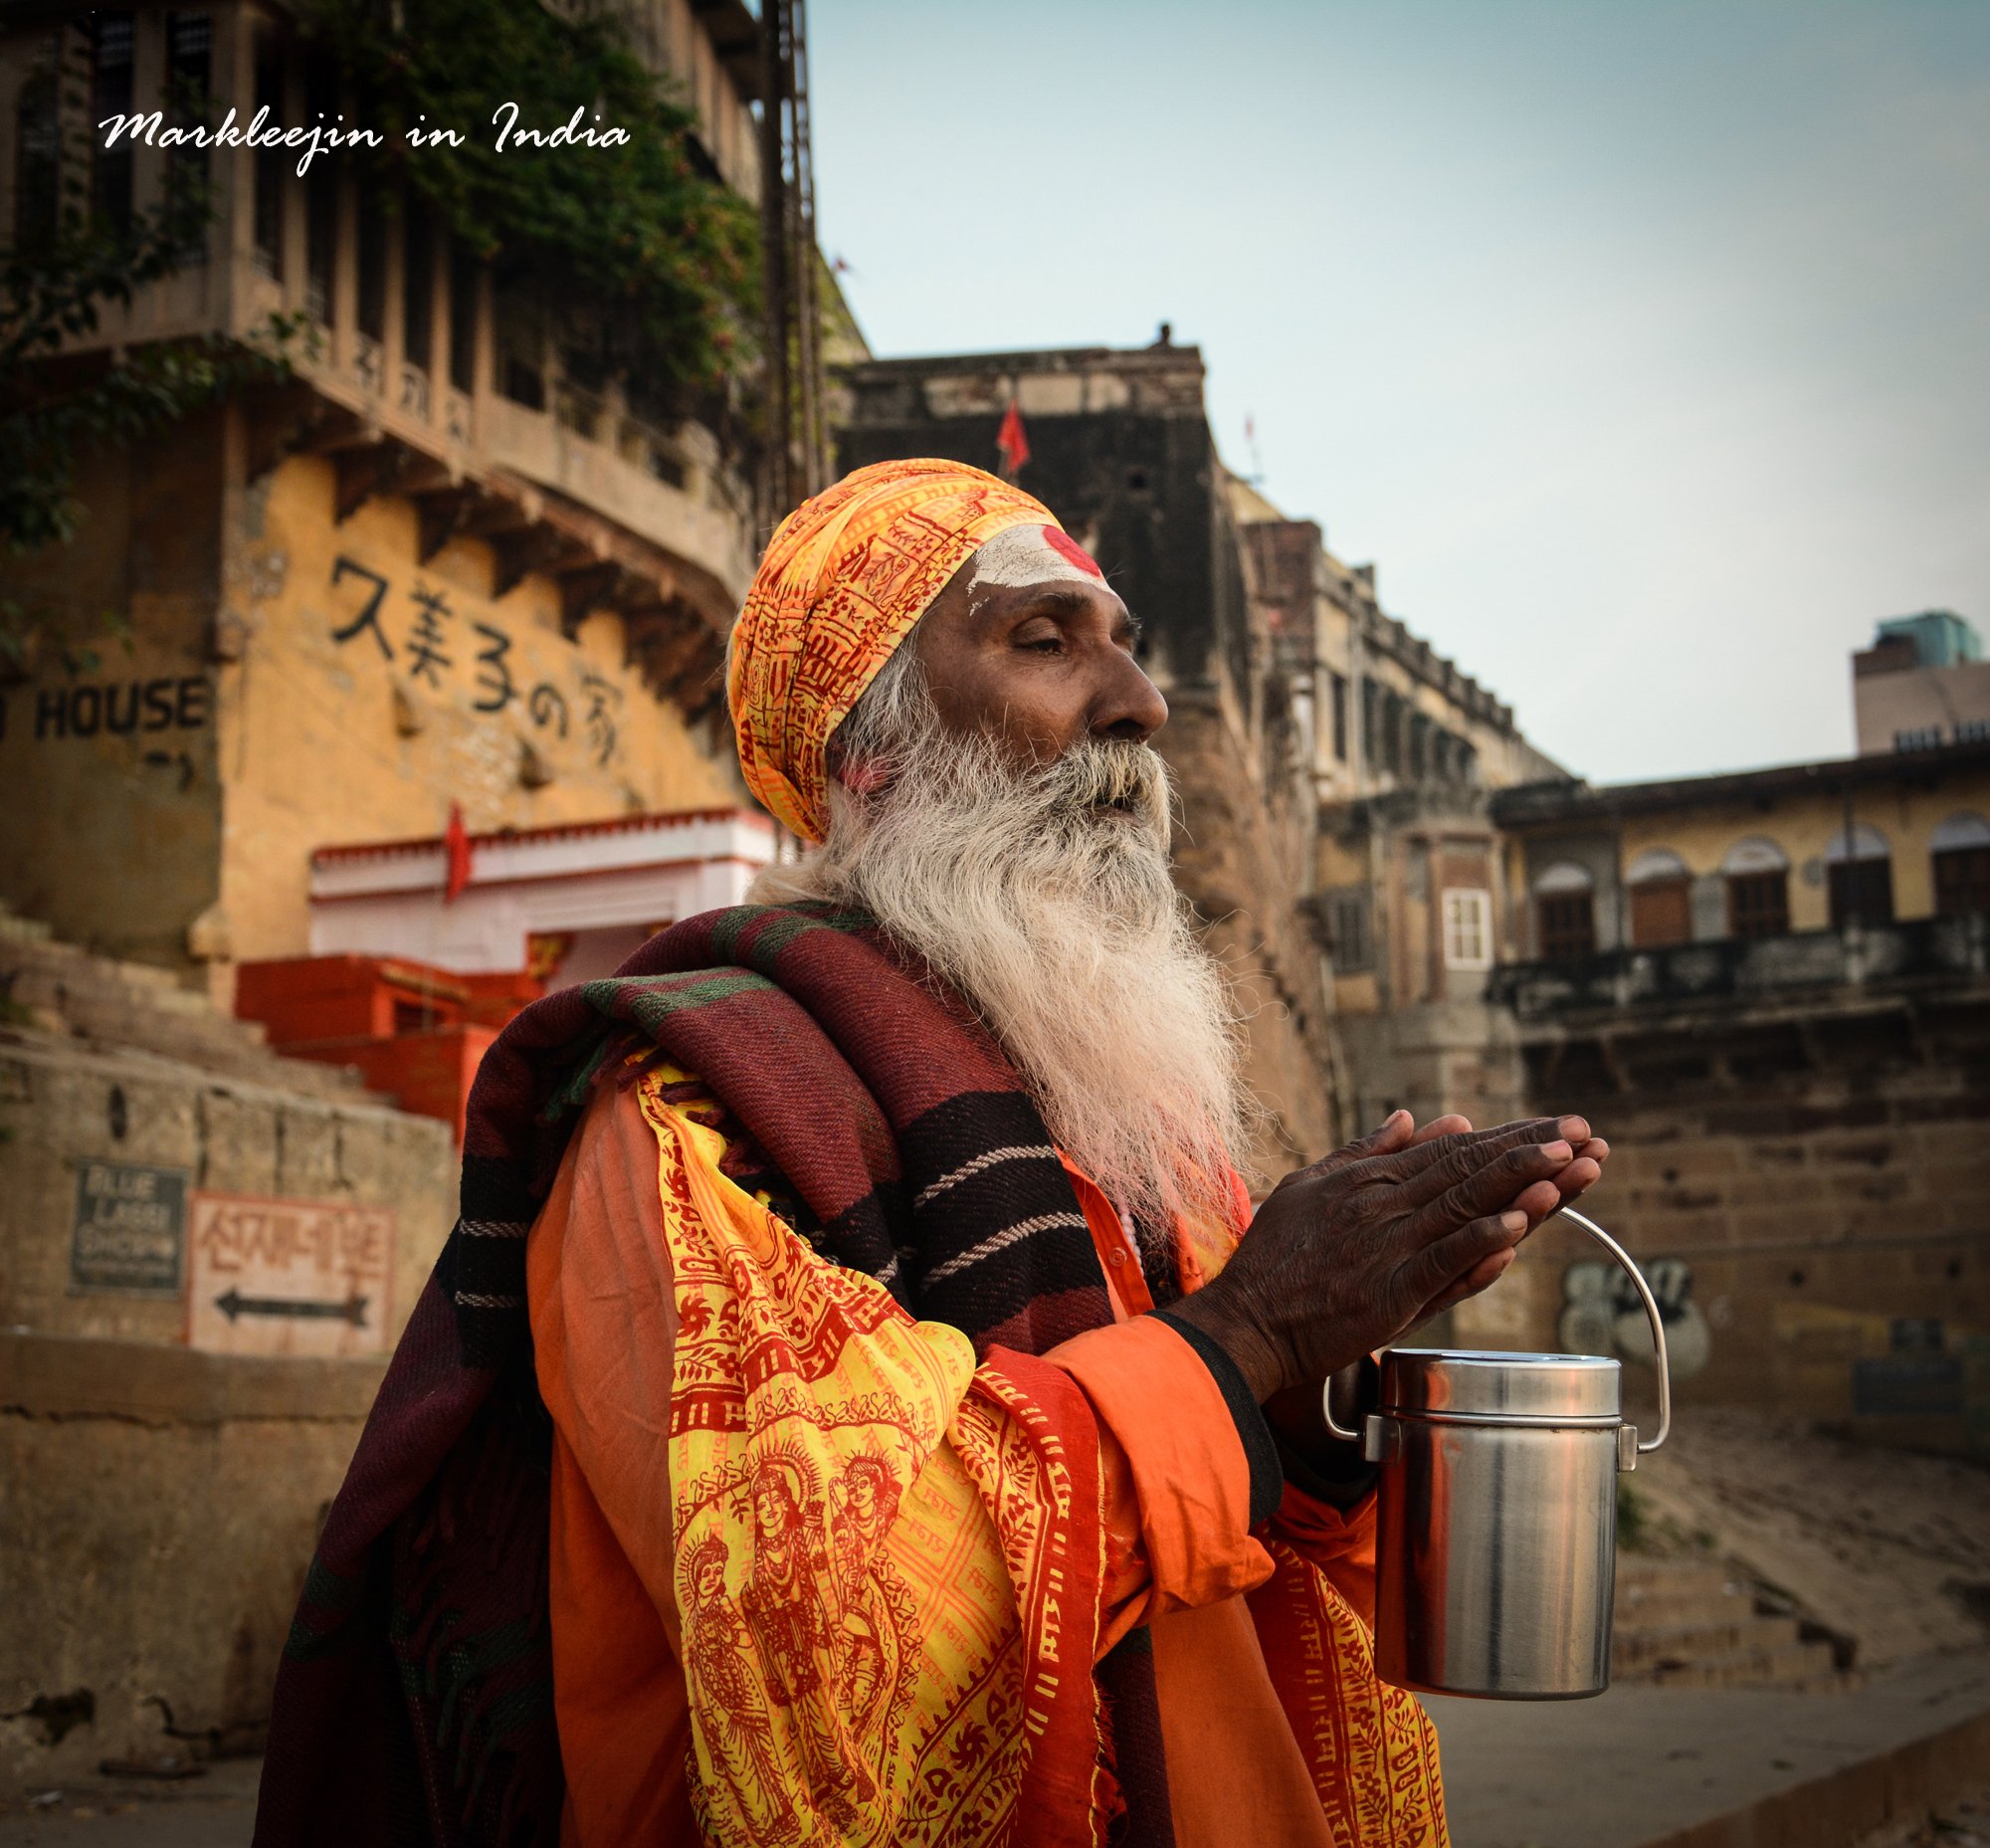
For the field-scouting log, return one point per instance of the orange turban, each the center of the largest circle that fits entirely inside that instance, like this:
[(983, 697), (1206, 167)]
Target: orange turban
[(844, 580)]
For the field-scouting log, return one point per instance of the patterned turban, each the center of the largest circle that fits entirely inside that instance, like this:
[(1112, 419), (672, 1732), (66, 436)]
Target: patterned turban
[(845, 579)]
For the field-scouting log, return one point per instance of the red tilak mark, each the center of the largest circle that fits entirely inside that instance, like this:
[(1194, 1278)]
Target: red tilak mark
[(1068, 547)]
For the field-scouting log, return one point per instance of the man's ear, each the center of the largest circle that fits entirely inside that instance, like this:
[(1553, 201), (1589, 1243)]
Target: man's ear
[(859, 775)]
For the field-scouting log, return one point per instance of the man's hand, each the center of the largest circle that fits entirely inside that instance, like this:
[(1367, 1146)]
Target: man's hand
[(1350, 1253)]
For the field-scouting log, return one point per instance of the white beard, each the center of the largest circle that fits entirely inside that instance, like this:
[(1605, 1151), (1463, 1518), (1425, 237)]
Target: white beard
[(1060, 923)]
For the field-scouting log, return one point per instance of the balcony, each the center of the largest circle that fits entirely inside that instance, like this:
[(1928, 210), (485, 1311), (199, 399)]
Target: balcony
[(1922, 952)]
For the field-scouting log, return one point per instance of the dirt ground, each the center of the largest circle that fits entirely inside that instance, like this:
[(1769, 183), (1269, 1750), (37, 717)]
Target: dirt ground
[(1887, 1548), (1961, 1824)]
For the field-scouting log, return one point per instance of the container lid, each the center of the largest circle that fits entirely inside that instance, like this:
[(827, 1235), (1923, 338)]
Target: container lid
[(1449, 1383)]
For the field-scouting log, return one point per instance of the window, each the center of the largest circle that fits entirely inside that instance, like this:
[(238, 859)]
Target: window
[(1468, 929), (463, 284), (322, 241), (110, 94), (1661, 899), (189, 51), (1350, 940), (271, 170), (416, 287), (372, 268), (1973, 731), (1921, 737), (320, 204), (1961, 850), (1565, 911), (1758, 904), (1861, 868), (1757, 871), (1392, 732), (1568, 927), (1336, 700), (1962, 881), (1862, 892)]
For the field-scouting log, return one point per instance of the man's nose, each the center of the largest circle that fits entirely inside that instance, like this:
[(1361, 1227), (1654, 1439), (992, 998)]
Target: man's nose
[(1129, 705)]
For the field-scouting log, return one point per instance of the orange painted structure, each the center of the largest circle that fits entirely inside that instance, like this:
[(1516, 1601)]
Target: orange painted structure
[(414, 1032)]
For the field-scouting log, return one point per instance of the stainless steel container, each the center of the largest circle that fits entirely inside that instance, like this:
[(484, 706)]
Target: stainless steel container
[(1497, 1542)]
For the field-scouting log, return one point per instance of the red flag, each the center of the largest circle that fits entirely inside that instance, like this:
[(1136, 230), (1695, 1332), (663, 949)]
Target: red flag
[(1010, 440), (456, 848)]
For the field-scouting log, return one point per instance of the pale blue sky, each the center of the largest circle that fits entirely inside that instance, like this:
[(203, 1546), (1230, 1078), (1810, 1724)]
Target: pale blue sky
[(1644, 344)]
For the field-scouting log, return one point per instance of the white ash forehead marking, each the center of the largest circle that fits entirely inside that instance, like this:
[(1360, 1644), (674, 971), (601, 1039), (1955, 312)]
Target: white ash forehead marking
[(1020, 556)]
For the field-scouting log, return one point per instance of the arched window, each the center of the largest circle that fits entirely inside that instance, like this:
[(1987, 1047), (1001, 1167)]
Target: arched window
[(1661, 899), (1960, 847), (1859, 865), (1565, 911), (1758, 872)]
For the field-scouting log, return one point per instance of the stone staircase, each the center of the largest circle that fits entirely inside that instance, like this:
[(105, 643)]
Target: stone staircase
[(53, 988), (1698, 1623)]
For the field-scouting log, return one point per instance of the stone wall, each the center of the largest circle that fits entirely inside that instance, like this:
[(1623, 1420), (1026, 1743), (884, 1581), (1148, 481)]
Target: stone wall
[(163, 1501), (117, 747), (1809, 1189)]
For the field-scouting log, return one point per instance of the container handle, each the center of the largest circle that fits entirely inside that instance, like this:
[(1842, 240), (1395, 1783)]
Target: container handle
[(1327, 1406), (1651, 1315)]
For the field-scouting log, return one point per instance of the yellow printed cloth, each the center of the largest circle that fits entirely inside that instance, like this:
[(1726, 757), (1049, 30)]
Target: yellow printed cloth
[(886, 1608), (842, 581)]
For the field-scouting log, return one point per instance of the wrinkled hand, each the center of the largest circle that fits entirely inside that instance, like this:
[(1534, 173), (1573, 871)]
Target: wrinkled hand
[(1350, 1253)]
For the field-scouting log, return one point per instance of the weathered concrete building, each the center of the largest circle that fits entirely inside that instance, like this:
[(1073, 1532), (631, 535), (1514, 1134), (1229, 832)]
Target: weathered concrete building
[(1922, 684), (1401, 750), (452, 562), (1772, 992)]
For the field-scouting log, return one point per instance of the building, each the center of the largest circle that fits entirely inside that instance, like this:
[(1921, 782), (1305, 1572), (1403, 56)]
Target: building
[(1921, 684), (450, 561), (453, 561), (1771, 991), (1401, 750)]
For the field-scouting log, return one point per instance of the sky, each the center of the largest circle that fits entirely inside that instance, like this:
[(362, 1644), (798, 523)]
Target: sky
[(1643, 345)]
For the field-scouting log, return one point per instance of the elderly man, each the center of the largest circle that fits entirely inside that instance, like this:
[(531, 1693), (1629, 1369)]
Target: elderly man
[(858, 1403)]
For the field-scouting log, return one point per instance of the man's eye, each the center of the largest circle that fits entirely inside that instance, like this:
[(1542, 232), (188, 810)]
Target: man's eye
[(1045, 644)]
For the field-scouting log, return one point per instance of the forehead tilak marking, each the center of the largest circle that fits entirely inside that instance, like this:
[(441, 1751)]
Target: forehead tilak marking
[(1030, 554)]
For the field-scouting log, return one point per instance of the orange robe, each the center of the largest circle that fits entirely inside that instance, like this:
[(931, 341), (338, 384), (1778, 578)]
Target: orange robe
[(1179, 1554)]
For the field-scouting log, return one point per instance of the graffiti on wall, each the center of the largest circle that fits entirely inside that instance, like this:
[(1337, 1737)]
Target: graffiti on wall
[(1601, 1314), (421, 633)]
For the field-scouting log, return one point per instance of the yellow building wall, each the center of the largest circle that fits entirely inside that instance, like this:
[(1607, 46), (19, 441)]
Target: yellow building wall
[(374, 690), (110, 757), (1803, 828)]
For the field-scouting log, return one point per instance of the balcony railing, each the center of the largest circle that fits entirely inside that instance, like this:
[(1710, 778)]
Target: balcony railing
[(1934, 950)]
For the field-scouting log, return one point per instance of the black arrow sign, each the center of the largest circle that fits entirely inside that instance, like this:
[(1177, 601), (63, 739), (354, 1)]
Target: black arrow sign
[(235, 1305)]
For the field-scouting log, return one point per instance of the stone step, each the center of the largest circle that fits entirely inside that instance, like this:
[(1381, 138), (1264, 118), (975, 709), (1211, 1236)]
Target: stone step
[(1781, 1665), (64, 990), (1634, 1649), (1718, 1600)]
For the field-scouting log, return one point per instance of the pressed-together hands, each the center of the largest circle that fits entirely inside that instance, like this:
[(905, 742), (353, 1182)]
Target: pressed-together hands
[(1350, 1254)]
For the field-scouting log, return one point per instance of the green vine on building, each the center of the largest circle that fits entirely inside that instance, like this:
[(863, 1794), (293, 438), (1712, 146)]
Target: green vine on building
[(664, 255)]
